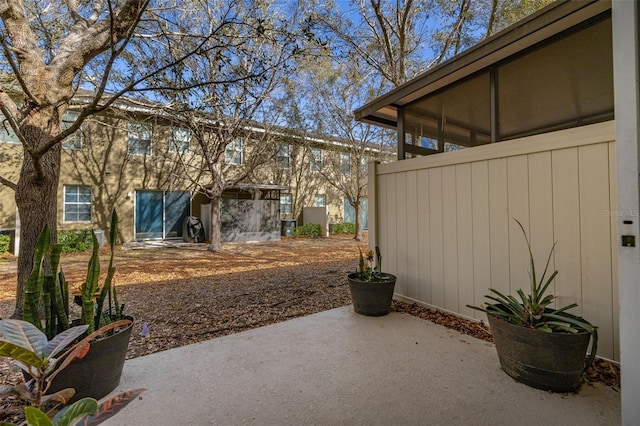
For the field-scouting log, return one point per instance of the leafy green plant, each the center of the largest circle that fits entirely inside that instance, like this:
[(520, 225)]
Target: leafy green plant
[(75, 241), (309, 230), (52, 290), (344, 228), (42, 360), (534, 310), (5, 242), (368, 270)]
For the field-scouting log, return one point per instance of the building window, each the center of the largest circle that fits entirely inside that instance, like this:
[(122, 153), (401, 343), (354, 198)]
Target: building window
[(283, 156), (316, 164), (345, 163), (286, 203), (233, 153), (139, 138), (179, 140), (320, 200), (75, 140), (77, 203)]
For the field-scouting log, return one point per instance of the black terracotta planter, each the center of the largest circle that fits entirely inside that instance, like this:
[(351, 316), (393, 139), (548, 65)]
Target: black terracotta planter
[(371, 298), (98, 373), (548, 361)]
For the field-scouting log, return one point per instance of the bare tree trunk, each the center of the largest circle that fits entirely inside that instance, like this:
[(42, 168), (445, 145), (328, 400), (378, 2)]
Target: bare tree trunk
[(356, 208), (215, 194), (37, 200)]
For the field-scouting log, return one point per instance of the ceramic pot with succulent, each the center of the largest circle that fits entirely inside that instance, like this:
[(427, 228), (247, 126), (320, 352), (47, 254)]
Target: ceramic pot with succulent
[(539, 345), (46, 306), (371, 290)]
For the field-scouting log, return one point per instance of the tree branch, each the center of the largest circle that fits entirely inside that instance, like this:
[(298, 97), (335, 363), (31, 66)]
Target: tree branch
[(8, 183)]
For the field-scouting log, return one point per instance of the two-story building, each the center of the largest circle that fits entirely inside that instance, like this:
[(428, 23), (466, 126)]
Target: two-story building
[(147, 166)]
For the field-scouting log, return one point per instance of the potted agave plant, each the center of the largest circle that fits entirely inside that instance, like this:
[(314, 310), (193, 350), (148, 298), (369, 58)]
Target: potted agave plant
[(42, 360), (46, 306), (371, 289), (538, 345)]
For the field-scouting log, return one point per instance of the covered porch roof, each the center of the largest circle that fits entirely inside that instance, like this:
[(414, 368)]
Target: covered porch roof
[(542, 25)]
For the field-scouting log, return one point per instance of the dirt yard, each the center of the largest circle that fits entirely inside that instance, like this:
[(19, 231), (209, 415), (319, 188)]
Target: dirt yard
[(187, 294)]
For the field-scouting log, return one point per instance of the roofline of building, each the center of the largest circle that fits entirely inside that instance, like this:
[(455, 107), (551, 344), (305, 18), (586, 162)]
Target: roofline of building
[(154, 108), (537, 27)]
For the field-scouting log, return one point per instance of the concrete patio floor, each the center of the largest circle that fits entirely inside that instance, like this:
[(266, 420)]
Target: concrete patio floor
[(340, 368)]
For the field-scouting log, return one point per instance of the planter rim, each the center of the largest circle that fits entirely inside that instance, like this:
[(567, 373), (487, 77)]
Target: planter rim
[(353, 277)]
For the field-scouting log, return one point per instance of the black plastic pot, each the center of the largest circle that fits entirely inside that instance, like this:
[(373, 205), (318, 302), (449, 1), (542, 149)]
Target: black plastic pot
[(548, 361), (371, 298), (98, 373)]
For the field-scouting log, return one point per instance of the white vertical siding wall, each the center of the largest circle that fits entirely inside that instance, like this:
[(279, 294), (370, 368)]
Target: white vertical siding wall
[(445, 223)]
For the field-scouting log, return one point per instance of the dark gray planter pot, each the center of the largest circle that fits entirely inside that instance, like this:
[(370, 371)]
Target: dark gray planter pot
[(548, 361), (371, 298), (98, 373)]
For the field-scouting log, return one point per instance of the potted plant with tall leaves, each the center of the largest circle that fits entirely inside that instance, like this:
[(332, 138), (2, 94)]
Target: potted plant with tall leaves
[(42, 360), (537, 344), (371, 289), (46, 306)]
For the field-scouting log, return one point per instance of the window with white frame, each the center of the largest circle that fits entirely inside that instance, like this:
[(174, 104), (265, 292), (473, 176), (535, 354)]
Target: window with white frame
[(364, 162), (319, 200), (345, 163), (233, 153), (77, 203), (179, 140), (139, 138), (316, 163), (75, 140), (286, 203), (283, 156)]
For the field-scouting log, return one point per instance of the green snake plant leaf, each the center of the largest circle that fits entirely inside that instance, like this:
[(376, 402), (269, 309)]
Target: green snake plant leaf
[(90, 286), (107, 287), (58, 295), (60, 342), (111, 407), (24, 334), (35, 282), (36, 417), (72, 414)]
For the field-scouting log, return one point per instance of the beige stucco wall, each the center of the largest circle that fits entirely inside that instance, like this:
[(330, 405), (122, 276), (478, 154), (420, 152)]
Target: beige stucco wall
[(114, 175), (445, 223)]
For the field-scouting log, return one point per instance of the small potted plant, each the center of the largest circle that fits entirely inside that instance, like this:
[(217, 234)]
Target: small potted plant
[(43, 359), (371, 289), (46, 306), (538, 345)]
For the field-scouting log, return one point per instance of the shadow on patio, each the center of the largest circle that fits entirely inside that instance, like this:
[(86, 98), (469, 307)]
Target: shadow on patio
[(340, 368)]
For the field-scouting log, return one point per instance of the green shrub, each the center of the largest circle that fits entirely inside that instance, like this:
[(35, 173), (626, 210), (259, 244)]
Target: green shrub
[(5, 241), (309, 230), (73, 241), (344, 228)]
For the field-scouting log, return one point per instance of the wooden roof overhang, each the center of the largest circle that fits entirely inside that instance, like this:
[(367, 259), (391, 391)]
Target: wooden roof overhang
[(536, 28)]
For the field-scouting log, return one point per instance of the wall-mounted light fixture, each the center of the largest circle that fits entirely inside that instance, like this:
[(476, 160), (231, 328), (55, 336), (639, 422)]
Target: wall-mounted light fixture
[(129, 195)]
